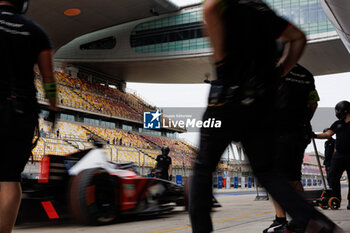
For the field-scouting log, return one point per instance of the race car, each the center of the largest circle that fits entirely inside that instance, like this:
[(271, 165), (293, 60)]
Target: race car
[(94, 191)]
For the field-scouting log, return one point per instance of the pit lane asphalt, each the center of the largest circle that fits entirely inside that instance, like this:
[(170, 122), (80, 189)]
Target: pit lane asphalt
[(239, 213)]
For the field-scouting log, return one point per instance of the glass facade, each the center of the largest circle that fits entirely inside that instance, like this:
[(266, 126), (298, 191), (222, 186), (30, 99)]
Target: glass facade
[(149, 131), (97, 122), (172, 135), (108, 124), (175, 33), (307, 14), (183, 31), (67, 117), (106, 43), (127, 127), (91, 121)]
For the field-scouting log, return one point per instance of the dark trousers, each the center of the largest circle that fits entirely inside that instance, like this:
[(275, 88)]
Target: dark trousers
[(340, 163), (17, 129), (289, 148), (328, 172), (253, 127)]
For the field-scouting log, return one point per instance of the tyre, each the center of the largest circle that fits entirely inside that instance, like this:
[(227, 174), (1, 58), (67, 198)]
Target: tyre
[(94, 197), (324, 203), (334, 203)]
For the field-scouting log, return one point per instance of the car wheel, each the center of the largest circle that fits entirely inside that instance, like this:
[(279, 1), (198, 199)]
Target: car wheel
[(94, 197)]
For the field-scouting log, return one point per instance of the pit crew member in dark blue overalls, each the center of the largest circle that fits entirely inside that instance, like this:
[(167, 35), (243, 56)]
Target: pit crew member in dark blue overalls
[(22, 44), (341, 157)]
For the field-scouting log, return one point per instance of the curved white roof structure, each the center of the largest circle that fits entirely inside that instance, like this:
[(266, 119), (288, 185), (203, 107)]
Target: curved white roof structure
[(157, 41)]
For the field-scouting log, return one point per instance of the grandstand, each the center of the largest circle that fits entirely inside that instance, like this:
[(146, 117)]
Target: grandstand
[(90, 109), (73, 92), (75, 136)]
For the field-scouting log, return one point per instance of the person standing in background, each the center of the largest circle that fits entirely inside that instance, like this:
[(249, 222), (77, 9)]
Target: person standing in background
[(329, 147), (341, 158), (164, 164), (226, 175)]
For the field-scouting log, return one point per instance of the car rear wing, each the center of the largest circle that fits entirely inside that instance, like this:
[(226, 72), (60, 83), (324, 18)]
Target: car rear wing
[(53, 168)]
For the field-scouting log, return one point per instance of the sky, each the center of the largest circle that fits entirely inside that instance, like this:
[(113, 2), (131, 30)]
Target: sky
[(331, 89)]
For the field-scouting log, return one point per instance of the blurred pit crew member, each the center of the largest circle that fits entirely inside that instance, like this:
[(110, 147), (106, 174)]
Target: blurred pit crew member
[(22, 44), (243, 35)]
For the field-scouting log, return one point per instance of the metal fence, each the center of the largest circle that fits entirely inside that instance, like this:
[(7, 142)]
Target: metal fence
[(143, 158)]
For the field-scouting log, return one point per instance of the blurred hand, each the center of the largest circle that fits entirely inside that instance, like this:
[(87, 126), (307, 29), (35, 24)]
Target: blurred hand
[(313, 135)]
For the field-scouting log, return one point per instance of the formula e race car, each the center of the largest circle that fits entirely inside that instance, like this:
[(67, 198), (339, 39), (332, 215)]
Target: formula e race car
[(94, 191)]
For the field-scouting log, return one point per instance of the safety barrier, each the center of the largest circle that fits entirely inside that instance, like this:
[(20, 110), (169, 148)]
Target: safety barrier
[(237, 181)]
